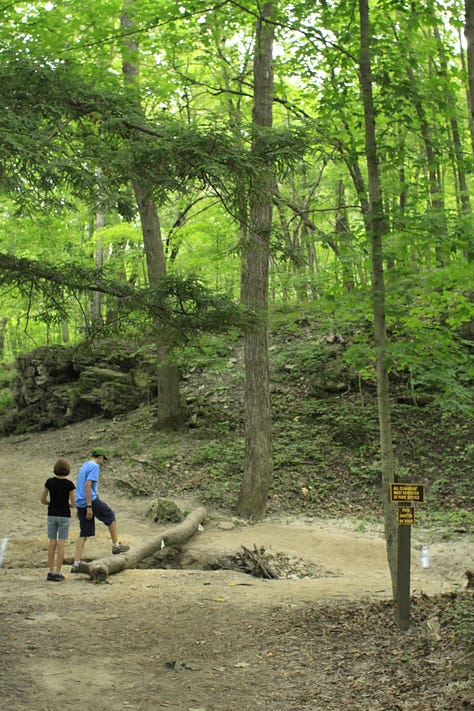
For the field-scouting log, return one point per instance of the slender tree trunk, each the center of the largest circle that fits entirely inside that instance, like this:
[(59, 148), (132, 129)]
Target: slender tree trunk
[(65, 332), (3, 328), (436, 206), (169, 412), (458, 151), (469, 34), (378, 229), (465, 69), (234, 104), (343, 239), (97, 318), (258, 469)]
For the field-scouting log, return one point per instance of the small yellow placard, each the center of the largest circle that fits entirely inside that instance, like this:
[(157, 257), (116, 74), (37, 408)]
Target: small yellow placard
[(406, 515), (414, 493)]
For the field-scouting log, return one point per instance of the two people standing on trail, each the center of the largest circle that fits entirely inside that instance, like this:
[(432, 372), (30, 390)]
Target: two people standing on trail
[(58, 496), (90, 506)]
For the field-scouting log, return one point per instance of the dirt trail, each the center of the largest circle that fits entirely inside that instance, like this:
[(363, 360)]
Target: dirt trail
[(188, 639)]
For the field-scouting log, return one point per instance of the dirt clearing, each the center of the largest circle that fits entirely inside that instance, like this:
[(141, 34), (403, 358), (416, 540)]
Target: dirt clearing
[(194, 639)]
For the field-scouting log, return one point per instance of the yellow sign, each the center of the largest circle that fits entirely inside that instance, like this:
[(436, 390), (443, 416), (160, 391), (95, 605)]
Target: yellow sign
[(411, 493), (406, 515)]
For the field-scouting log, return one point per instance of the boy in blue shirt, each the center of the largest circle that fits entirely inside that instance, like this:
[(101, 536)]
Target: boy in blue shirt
[(90, 506)]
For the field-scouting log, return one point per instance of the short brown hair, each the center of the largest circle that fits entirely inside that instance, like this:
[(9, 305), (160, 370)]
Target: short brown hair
[(62, 467)]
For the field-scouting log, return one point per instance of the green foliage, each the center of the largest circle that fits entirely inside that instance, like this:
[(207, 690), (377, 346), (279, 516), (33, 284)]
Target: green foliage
[(203, 241), (209, 452), (5, 399), (72, 140), (450, 521), (210, 351), (164, 451), (179, 308), (221, 466)]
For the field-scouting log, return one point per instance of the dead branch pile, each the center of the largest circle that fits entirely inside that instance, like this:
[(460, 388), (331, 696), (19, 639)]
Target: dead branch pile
[(262, 564), (255, 562)]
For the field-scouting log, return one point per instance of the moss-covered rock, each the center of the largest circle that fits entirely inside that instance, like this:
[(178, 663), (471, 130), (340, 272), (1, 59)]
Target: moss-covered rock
[(165, 511), (59, 385)]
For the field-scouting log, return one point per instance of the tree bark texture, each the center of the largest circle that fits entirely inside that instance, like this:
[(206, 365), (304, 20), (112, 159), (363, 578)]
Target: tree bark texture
[(99, 570), (97, 319), (377, 229), (258, 466), (469, 34), (170, 414)]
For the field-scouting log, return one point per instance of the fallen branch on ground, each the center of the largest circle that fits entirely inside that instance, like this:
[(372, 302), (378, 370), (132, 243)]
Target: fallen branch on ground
[(99, 570)]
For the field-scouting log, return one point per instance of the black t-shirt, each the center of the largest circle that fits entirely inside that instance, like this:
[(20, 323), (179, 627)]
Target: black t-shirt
[(59, 488)]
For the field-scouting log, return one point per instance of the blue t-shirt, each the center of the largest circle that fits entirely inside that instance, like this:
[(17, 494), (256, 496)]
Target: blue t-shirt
[(88, 472)]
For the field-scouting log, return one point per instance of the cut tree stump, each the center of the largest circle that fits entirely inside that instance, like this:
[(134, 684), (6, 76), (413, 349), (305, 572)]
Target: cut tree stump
[(99, 570)]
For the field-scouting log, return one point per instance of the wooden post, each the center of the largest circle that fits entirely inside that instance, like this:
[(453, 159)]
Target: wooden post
[(405, 495), (403, 576)]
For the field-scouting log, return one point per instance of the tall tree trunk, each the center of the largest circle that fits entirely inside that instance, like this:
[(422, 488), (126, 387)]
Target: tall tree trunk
[(234, 106), (169, 412), (458, 151), (378, 229), (3, 328), (436, 206), (465, 68), (343, 239), (97, 319), (258, 469), (469, 34)]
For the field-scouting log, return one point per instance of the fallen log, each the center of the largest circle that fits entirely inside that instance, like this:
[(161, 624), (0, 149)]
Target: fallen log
[(99, 570)]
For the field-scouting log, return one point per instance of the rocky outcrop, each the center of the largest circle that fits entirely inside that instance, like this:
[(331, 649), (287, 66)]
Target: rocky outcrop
[(57, 385)]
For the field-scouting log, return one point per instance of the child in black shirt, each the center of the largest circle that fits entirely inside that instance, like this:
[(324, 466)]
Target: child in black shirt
[(61, 498)]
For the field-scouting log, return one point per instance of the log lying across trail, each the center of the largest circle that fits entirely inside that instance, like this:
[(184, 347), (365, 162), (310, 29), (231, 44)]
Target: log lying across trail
[(99, 570)]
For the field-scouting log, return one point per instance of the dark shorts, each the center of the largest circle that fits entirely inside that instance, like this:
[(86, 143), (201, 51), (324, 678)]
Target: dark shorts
[(101, 511)]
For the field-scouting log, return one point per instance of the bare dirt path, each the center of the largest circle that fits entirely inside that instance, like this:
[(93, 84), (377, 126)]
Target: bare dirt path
[(188, 639)]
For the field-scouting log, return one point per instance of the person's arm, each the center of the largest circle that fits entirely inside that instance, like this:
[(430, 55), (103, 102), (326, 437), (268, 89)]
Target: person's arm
[(44, 496), (89, 492), (72, 498), (89, 513)]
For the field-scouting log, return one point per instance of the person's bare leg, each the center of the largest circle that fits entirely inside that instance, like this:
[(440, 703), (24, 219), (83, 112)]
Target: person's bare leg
[(113, 532), (116, 546), (59, 554), (80, 543), (51, 552)]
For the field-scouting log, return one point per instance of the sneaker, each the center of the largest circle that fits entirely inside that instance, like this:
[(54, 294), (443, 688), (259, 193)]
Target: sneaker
[(119, 548), (51, 577), (79, 568), (59, 577)]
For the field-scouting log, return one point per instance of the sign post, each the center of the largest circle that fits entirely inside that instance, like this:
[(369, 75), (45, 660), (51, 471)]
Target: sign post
[(403, 576), (405, 495)]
